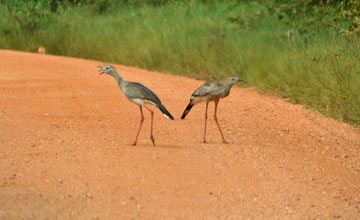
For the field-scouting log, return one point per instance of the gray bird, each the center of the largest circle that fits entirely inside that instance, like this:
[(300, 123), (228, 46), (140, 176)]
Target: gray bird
[(211, 91), (140, 95)]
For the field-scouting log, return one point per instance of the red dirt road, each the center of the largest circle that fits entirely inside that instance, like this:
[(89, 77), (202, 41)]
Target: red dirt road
[(64, 150)]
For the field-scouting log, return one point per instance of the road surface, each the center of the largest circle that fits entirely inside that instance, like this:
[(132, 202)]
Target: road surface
[(65, 135)]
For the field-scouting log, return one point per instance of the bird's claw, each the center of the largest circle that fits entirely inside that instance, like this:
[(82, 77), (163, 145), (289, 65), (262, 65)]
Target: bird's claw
[(152, 140)]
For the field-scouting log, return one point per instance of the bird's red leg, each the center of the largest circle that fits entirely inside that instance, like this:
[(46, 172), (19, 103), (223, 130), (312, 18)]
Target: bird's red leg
[(151, 128), (215, 118), (205, 121), (141, 122)]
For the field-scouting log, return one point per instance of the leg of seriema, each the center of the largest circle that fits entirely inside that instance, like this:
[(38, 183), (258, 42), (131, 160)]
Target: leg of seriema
[(215, 118), (141, 122), (207, 104), (151, 128)]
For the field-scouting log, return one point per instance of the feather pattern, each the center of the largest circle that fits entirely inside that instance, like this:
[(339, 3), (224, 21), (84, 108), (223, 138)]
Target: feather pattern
[(134, 90)]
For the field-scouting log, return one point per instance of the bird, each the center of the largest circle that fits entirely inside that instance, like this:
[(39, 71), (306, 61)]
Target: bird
[(139, 94), (211, 90)]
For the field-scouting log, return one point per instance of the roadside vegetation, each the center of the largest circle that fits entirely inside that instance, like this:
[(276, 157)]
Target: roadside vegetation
[(305, 50)]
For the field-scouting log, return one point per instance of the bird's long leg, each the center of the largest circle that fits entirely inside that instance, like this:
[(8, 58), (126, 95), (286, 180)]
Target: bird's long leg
[(141, 122), (151, 128), (207, 104), (215, 118)]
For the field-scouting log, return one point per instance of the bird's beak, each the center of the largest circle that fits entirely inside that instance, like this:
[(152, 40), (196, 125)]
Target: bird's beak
[(101, 71)]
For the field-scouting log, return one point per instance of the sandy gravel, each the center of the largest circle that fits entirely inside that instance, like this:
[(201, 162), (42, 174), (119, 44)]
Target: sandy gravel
[(64, 150)]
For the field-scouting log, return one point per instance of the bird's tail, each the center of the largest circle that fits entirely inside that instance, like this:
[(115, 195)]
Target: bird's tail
[(166, 112), (186, 111)]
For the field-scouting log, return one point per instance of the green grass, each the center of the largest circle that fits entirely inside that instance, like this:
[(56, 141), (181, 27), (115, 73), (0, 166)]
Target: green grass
[(320, 70)]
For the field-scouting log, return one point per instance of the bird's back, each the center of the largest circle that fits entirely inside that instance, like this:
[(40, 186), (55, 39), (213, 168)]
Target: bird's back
[(134, 90), (211, 88)]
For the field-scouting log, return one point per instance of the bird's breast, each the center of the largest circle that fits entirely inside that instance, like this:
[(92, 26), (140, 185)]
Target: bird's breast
[(137, 101)]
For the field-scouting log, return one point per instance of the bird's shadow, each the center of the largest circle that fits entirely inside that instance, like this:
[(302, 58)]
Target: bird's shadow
[(156, 146), (218, 143)]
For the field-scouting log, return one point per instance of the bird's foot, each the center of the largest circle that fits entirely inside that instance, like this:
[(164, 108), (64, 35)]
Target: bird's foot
[(133, 144), (205, 142), (225, 142), (152, 140)]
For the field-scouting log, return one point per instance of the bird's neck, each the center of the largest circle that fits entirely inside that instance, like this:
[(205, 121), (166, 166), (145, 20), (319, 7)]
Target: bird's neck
[(226, 90), (118, 79)]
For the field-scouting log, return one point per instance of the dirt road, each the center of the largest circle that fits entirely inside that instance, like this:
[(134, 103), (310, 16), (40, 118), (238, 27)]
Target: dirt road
[(64, 150)]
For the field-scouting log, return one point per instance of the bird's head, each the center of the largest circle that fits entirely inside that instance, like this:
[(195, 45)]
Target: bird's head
[(107, 70), (235, 79)]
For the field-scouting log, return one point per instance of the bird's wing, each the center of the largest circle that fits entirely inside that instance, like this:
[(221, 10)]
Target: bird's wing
[(134, 90), (208, 88)]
